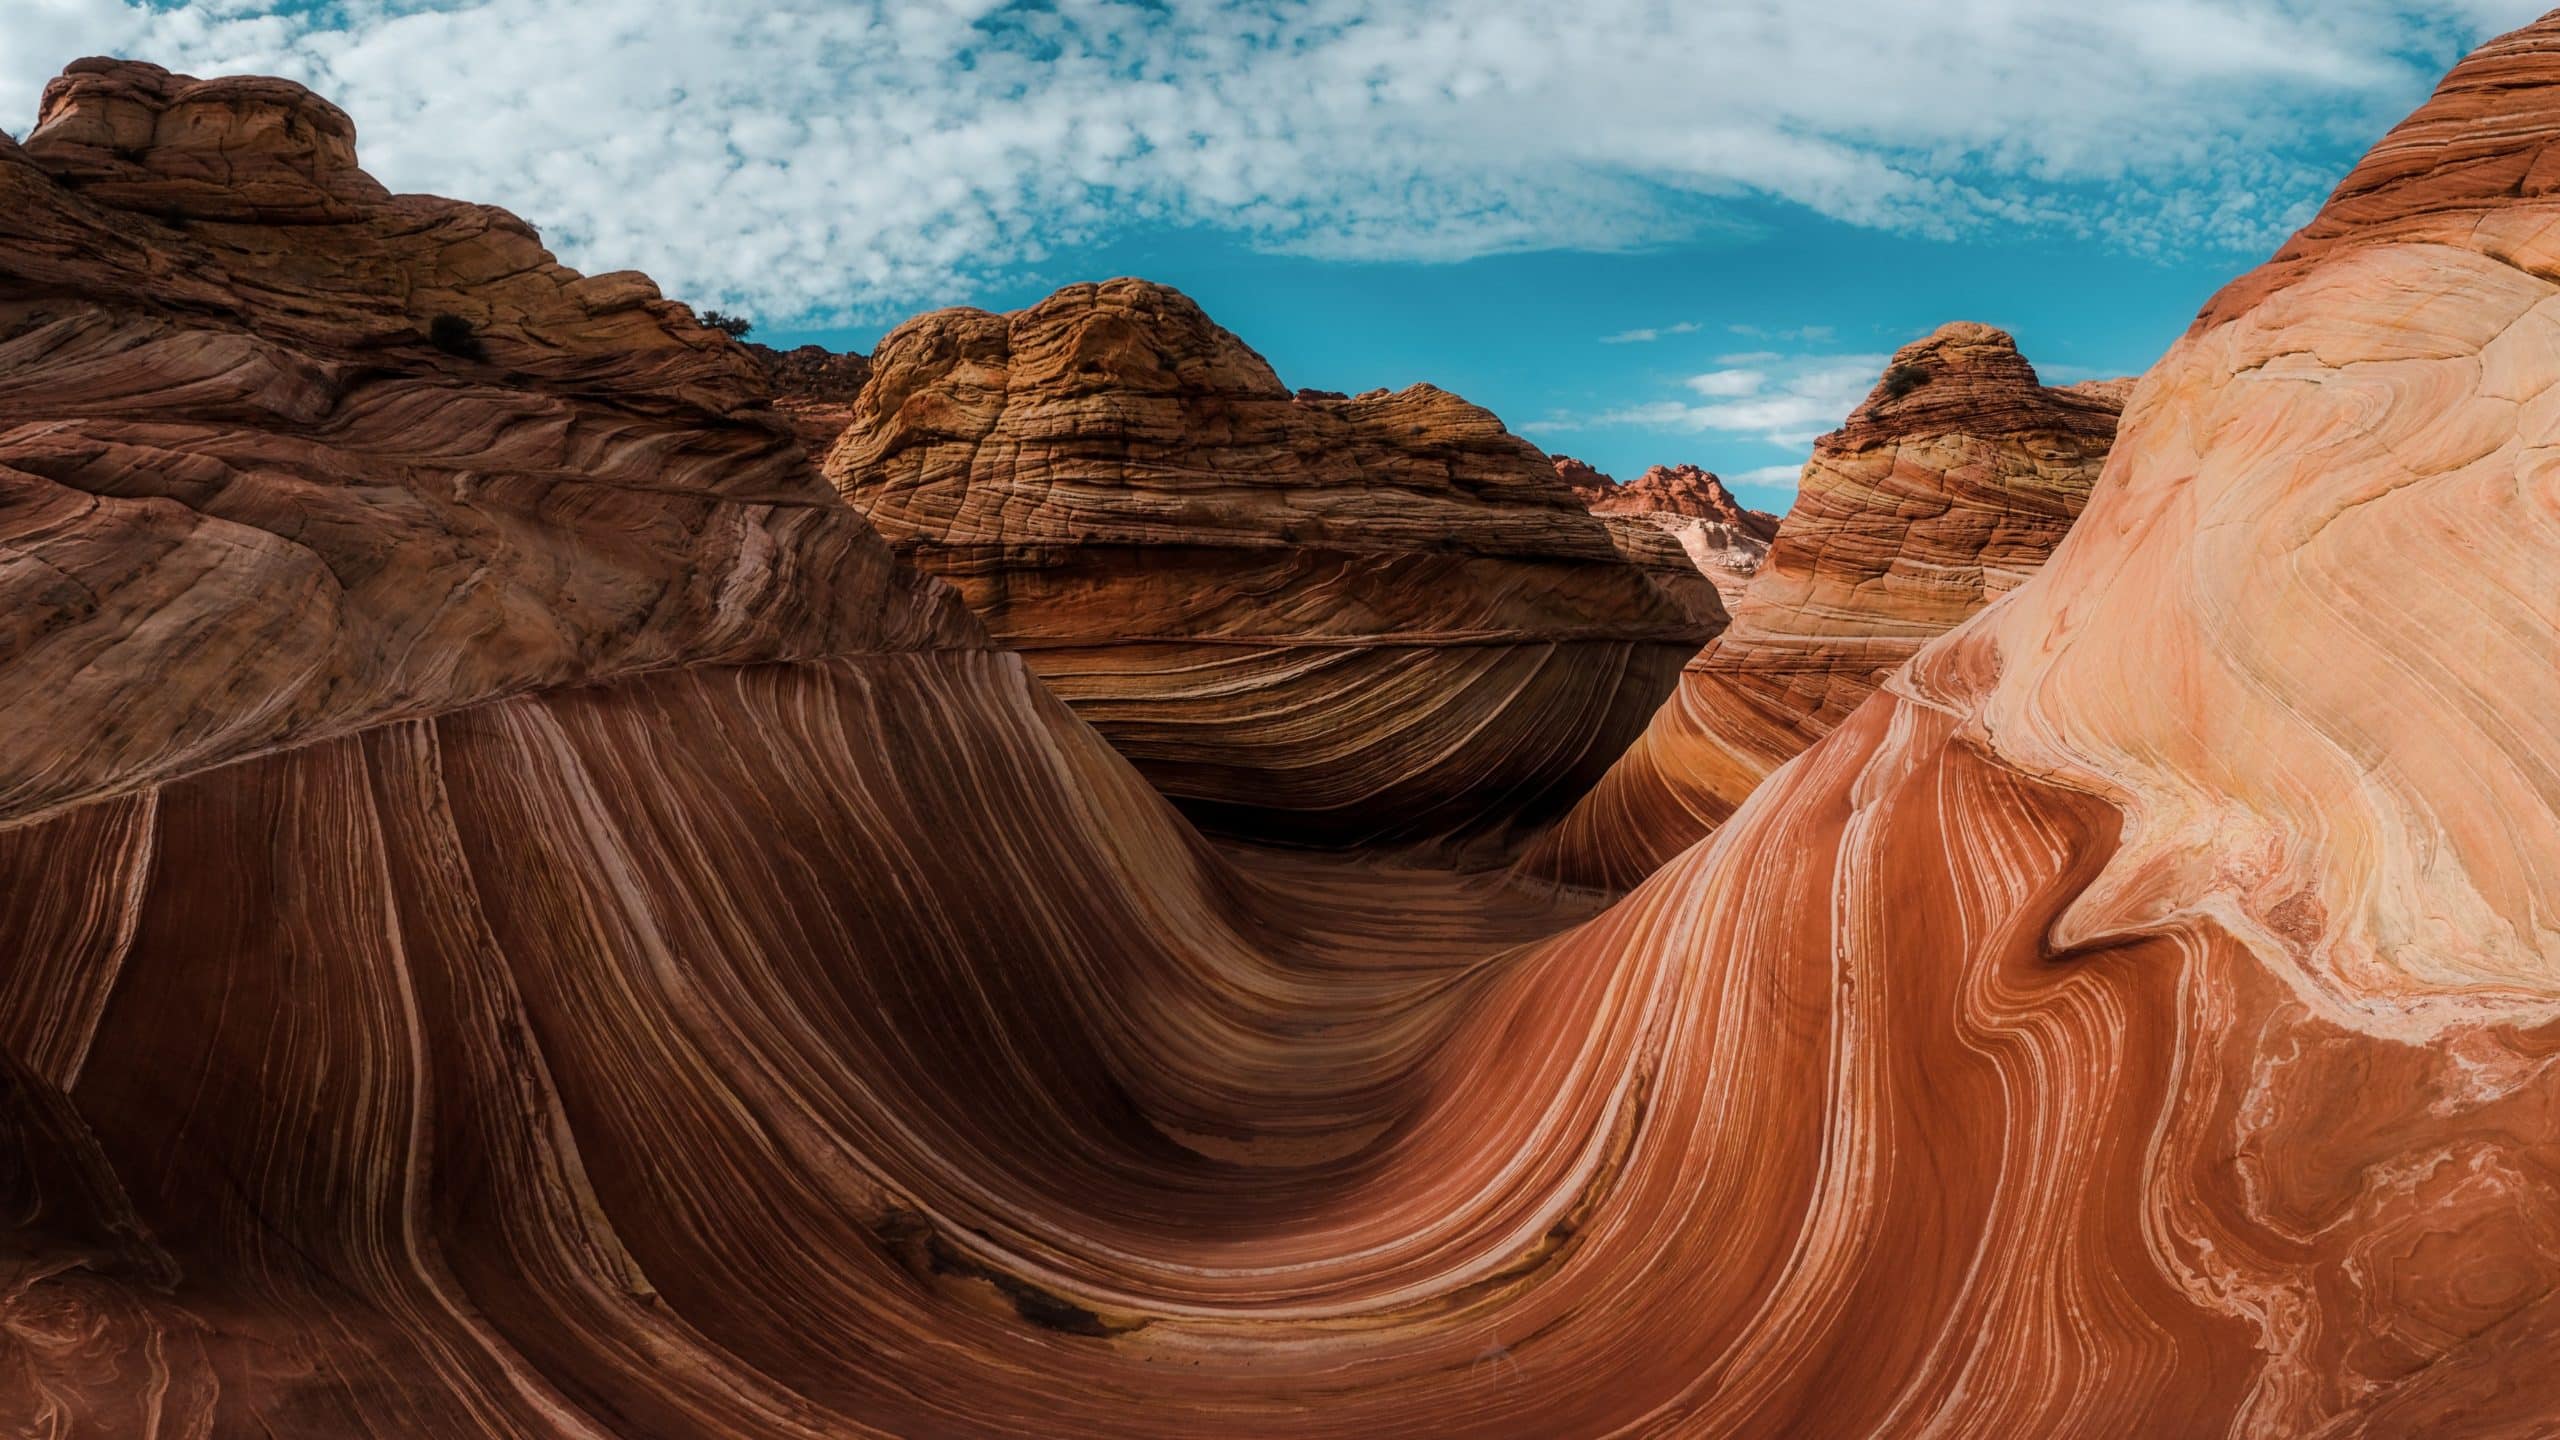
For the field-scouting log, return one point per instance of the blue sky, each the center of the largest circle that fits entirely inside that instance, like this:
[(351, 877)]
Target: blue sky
[(1640, 230)]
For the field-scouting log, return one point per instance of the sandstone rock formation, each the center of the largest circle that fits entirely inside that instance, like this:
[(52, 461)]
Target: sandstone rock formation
[(2137, 1018), (1305, 617), (1586, 483), (288, 455), (1723, 540), (1669, 564), (1942, 492), (814, 388), (1685, 490)]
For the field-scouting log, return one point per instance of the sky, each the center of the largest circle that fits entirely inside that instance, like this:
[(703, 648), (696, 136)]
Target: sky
[(1641, 231)]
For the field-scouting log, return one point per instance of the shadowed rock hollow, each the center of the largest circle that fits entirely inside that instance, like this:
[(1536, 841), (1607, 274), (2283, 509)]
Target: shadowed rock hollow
[(1304, 617)]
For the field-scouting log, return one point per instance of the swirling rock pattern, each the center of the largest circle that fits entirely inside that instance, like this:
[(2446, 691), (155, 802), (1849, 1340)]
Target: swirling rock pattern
[(1314, 618), (282, 454), (1942, 492), (2137, 1018)]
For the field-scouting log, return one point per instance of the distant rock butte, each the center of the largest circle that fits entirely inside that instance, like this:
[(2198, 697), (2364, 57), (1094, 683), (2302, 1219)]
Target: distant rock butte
[(1305, 616), (1722, 540), (1587, 484), (1687, 491), (814, 388), (1945, 489)]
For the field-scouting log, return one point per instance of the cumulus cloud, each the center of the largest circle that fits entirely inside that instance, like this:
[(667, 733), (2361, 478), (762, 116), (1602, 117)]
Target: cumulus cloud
[(838, 160)]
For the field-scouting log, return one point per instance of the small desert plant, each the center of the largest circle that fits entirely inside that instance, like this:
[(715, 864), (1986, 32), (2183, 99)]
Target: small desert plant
[(1901, 380), (736, 327), (454, 336)]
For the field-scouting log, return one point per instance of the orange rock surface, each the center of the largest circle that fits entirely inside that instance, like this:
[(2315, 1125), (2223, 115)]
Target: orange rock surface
[(251, 500), (1304, 617), (2138, 1017), (1942, 492)]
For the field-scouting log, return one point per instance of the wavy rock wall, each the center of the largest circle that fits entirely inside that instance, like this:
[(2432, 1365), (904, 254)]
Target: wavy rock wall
[(1309, 618), (1941, 493), (2137, 1017)]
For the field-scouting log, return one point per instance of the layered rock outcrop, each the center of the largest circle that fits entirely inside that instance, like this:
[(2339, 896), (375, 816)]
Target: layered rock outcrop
[(2137, 1017), (1723, 540), (1305, 617), (814, 388), (1942, 492), (286, 455)]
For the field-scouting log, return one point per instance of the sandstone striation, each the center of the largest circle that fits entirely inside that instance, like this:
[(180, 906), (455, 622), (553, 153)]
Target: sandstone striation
[(1941, 493), (284, 455), (1305, 617), (2138, 1016), (1672, 568)]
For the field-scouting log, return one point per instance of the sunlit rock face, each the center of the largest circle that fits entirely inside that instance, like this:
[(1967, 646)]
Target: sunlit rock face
[(1942, 492), (1724, 540), (1305, 617), (2136, 1018)]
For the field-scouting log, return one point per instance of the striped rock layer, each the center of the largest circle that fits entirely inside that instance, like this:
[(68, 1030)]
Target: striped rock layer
[(1305, 617), (282, 454), (1941, 493), (1677, 571), (2137, 1018)]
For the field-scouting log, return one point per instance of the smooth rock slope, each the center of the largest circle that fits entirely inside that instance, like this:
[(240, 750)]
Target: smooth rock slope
[(1941, 493), (1309, 618)]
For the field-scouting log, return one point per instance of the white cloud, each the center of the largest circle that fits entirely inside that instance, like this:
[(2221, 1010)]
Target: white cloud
[(1786, 403), (1782, 400), (1727, 382), (1767, 477), (1650, 333), (835, 159)]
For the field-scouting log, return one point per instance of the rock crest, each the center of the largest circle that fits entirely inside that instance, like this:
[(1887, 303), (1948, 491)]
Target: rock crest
[(1306, 616)]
